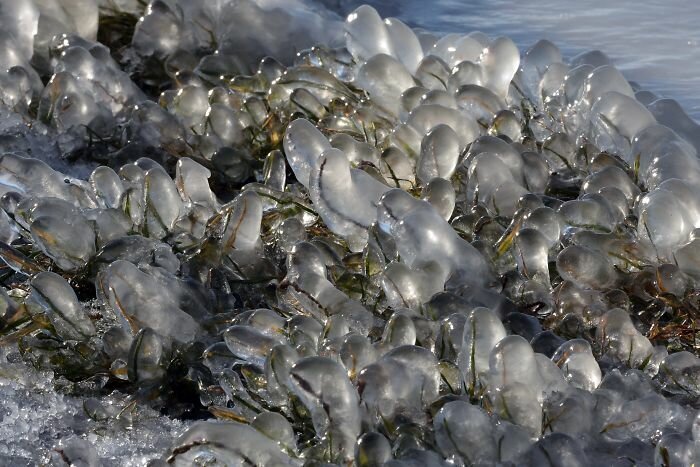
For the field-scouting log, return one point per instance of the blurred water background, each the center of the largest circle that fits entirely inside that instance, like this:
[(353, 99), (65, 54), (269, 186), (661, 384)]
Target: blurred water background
[(653, 42)]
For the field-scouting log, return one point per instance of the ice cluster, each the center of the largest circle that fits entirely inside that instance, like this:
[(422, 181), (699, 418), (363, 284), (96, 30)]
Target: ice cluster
[(387, 249)]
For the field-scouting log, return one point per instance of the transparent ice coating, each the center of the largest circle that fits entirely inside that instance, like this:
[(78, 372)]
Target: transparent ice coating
[(277, 428), (78, 75), (147, 356), (325, 390), (662, 155), (546, 221), (372, 449), (585, 267), (670, 113), (636, 417), (390, 389), (51, 295), (465, 430), (399, 331), (555, 164), (356, 352), (303, 146), (189, 104), (536, 63), (237, 27), (192, 180), (676, 449), (314, 295), (332, 183), (439, 154), (616, 119), (680, 373), (494, 175), (532, 254), (424, 365), (8, 231), (140, 300), (512, 361), (506, 123), (576, 359), (440, 193), (406, 219), (466, 75), (425, 117), (228, 443), (71, 245), (620, 340), (242, 226), (436, 96), (477, 101), (550, 86), (73, 16), (611, 176), (456, 48), (408, 287), (499, 61), (482, 331), (433, 73), (163, 202), (605, 78), (591, 213), (385, 79), (357, 152), (22, 20), (664, 221), (249, 344), (687, 256), (367, 35), (107, 186), (515, 384), (494, 62), (558, 449), (323, 85), (27, 175), (496, 148)]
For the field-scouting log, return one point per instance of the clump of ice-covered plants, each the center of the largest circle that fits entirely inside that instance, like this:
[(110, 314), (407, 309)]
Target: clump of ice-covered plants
[(388, 249)]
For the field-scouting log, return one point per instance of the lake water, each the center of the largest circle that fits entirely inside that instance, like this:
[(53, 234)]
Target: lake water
[(655, 43)]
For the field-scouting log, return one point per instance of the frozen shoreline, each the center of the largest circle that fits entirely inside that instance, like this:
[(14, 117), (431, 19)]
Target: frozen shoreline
[(411, 250)]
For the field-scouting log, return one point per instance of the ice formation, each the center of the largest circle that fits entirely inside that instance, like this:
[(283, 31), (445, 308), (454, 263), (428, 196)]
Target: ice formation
[(360, 245)]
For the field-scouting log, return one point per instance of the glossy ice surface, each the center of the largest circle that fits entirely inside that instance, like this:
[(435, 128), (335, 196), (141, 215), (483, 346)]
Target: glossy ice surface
[(259, 233)]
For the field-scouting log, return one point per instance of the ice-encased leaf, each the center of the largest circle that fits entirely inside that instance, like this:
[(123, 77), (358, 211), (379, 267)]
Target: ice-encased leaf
[(70, 243), (242, 222), (146, 355), (324, 388), (229, 443), (465, 430), (385, 79), (192, 182), (51, 294), (366, 35), (140, 300), (440, 150), (333, 184), (163, 202), (482, 331), (249, 344), (303, 146)]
